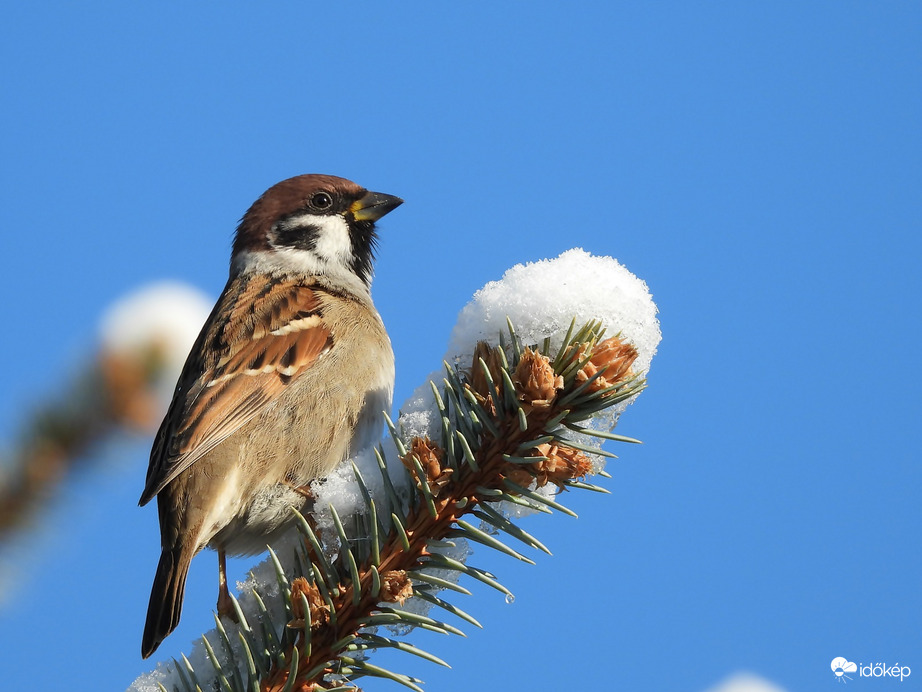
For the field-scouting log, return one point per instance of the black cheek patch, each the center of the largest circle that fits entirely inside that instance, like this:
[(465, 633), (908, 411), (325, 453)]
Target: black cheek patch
[(302, 237)]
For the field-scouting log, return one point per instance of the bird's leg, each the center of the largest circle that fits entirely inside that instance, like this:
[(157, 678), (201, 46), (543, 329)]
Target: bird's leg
[(225, 604), (303, 490)]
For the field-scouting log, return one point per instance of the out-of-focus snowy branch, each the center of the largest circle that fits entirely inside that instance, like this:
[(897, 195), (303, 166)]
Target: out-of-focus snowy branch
[(144, 339), (531, 388)]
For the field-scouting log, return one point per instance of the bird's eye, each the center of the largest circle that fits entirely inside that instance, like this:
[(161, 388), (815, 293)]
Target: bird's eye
[(321, 201)]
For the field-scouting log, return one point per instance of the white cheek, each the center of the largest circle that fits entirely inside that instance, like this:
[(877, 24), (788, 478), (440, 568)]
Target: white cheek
[(335, 242), (332, 243)]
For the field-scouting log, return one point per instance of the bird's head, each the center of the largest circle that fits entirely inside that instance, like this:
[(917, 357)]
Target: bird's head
[(315, 225)]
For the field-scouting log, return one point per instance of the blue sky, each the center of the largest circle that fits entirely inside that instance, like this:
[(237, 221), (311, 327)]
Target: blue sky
[(757, 164)]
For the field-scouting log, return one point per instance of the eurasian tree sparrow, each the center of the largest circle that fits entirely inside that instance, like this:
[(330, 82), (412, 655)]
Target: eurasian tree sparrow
[(287, 379)]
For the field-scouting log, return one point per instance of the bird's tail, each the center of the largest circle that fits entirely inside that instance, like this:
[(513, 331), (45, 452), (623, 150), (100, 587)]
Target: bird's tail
[(165, 598)]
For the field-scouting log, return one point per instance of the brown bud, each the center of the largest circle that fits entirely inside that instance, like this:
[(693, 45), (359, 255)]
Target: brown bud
[(519, 475), (562, 464), (395, 587), (320, 611), (430, 457), (479, 384), (535, 381), (615, 356)]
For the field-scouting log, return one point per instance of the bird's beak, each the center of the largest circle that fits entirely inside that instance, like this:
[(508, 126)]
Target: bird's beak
[(373, 206)]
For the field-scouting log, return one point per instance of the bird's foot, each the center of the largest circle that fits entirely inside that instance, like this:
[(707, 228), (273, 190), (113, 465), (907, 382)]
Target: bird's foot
[(302, 490), (226, 605)]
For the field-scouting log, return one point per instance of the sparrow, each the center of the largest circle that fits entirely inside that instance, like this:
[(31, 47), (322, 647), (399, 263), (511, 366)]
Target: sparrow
[(288, 378)]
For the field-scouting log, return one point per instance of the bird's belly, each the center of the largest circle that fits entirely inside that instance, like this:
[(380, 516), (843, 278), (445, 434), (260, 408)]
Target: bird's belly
[(279, 458), (267, 516)]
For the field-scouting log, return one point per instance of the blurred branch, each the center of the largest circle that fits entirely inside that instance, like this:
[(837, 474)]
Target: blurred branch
[(114, 394), (144, 338)]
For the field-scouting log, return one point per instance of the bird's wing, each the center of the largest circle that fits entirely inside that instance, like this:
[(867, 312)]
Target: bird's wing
[(262, 334)]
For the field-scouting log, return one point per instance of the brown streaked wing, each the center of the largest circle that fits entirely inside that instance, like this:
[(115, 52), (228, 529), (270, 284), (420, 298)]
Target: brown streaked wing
[(262, 335)]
